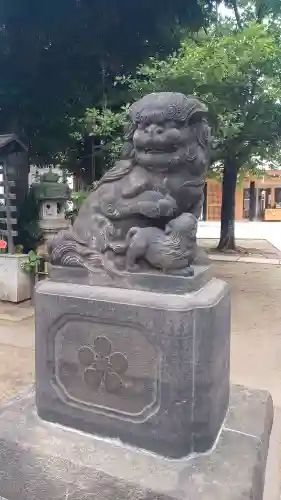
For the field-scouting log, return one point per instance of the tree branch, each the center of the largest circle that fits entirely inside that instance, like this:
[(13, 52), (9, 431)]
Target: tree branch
[(237, 14)]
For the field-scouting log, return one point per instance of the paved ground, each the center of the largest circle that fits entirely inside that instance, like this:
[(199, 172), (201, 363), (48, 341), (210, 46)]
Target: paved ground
[(256, 324), (256, 343), (16, 356), (270, 231), (255, 353), (250, 248), (16, 312)]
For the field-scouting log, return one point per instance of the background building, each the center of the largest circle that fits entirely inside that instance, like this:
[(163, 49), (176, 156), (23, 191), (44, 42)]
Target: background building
[(257, 198)]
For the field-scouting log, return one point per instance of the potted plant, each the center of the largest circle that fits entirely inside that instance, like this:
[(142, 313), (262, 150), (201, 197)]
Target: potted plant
[(30, 266)]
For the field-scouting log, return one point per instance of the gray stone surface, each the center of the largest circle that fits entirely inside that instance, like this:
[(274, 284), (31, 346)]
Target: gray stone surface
[(143, 212), (149, 281), (149, 368), (39, 460), (15, 284)]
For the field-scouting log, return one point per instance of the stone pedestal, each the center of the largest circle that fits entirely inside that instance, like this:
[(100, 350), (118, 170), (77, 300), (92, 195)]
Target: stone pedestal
[(132, 396), (151, 369), (39, 460)]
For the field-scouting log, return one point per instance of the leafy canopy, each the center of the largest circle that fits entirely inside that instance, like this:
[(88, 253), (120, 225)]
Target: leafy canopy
[(59, 57), (238, 75)]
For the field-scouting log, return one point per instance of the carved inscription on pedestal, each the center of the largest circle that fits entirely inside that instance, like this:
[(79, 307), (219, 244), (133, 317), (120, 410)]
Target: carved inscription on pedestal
[(102, 366), (106, 368)]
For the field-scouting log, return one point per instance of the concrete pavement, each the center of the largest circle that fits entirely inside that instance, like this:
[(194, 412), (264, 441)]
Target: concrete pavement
[(269, 231), (248, 231)]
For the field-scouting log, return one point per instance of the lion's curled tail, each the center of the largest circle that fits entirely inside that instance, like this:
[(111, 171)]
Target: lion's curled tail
[(66, 249), (131, 233)]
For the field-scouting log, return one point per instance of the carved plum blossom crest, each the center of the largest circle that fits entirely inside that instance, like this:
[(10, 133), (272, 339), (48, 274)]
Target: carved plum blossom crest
[(102, 366)]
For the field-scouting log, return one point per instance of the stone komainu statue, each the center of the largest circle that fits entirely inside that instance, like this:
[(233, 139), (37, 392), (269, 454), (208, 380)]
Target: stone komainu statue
[(159, 177)]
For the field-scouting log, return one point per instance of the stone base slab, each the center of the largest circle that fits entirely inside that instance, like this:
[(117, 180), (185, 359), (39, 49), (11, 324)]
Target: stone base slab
[(151, 281), (40, 460)]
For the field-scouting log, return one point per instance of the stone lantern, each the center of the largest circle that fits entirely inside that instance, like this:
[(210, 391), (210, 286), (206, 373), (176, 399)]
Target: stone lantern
[(52, 197)]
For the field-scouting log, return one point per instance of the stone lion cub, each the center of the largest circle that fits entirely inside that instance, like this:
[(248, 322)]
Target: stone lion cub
[(171, 250)]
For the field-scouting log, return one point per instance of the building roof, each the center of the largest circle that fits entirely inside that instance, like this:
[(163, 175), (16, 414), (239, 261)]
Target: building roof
[(273, 173), (6, 139), (267, 174)]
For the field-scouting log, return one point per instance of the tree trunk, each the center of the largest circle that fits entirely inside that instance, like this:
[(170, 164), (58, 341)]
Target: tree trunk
[(252, 207), (227, 236)]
